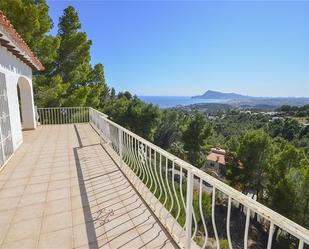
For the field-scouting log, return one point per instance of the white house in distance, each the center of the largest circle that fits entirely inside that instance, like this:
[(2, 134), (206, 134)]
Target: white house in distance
[(16, 95), (216, 161)]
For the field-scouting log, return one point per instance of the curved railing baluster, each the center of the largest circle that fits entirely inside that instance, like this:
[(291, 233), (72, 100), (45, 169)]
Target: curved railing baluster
[(137, 167), (181, 192), (228, 220), (158, 179), (147, 167), (163, 185), (141, 174), (175, 194), (152, 164), (213, 205), (150, 169), (301, 244), (195, 224), (202, 213), (133, 161), (139, 160), (270, 235), (168, 185), (145, 164), (125, 148), (247, 228), (130, 152), (157, 176)]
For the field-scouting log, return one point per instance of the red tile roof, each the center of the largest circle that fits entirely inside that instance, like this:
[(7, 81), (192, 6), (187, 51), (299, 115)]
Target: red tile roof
[(216, 157), (14, 43)]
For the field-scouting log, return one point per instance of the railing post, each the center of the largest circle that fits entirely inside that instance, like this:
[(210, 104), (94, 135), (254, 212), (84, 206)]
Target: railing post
[(301, 244), (88, 111), (90, 114), (120, 146), (189, 208)]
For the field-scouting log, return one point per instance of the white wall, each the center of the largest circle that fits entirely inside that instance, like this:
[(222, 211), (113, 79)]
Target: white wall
[(14, 69)]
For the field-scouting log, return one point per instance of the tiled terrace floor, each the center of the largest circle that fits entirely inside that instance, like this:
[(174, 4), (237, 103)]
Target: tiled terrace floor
[(62, 190)]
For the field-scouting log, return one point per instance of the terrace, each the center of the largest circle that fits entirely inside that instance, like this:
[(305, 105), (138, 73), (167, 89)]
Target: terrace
[(82, 181)]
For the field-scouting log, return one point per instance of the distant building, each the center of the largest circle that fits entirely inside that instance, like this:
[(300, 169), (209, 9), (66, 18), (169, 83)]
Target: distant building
[(212, 117), (276, 118), (216, 161), (245, 111)]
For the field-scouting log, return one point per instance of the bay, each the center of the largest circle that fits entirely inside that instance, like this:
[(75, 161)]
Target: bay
[(173, 101)]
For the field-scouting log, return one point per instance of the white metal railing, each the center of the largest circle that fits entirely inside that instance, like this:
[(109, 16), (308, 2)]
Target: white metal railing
[(171, 186), (185, 199), (63, 115)]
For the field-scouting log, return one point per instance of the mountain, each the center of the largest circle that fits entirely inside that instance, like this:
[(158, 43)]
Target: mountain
[(238, 100), (219, 95)]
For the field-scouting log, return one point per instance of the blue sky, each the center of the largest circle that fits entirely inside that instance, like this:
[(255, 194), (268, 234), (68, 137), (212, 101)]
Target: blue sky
[(258, 48)]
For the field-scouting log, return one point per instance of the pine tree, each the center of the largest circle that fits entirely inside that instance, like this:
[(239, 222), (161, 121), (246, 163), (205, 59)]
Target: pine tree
[(74, 52), (194, 136), (68, 78), (31, 20), (85, 85), (254, 153), (98, 89)]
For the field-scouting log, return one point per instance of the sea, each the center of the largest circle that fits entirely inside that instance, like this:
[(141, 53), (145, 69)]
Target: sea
[(172, 101)]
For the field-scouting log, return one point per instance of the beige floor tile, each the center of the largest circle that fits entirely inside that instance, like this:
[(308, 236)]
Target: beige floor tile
[(61, 239), (103, 244), (149, 230), (77, 202), (61, 193), (2, 184), (36, 188), (75, 191), (19, 174), (123, 240), (23, 230), (82, 237), (56, 222), (41, 172), (9, 203), (116, 228), (6, 217), (16, 183), (159, 243), (21, 244), (59, 184), (39, 179), (12, 192), (3, 230), (93, 246), (55, 203), (134, 242), (78, 216), (30, 199), (5, 175), (29, 212), (58, 206)]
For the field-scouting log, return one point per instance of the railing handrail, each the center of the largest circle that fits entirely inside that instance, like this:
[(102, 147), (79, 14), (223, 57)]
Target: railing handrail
[(63, 115), (65, 107), (273, 217)]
